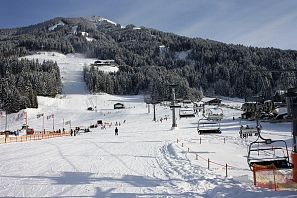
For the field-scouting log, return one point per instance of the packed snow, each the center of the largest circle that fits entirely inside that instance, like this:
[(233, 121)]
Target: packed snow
[(146, 159), (97, 19), (52, 28)]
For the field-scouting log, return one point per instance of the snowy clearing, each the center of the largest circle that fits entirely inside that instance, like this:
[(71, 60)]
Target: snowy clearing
[(146, 159)]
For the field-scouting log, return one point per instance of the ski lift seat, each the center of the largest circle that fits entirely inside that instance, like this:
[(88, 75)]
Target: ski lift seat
[(245, 132), (215, 117), (209, 131), (187, 115), (206, 127), (279, 163), (279, 159), (267, 149)]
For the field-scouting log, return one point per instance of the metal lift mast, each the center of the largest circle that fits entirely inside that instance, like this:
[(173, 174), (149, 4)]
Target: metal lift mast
[(292, 112)]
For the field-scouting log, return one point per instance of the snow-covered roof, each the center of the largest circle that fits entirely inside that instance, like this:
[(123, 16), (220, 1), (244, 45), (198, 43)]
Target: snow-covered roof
[(207, 99)]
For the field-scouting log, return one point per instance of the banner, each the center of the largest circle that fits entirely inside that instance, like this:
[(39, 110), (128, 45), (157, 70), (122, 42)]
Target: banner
[(21, 115), (39, 115), (50, 116), (67, 122)]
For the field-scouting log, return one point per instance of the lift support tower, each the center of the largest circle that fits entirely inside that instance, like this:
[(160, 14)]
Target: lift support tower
[(292, 112), (173, 106)]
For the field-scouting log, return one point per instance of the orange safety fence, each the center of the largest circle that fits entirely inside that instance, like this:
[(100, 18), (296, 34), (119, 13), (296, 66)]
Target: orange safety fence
[(270, 177), (225, 166), (38, 136), (264, 176)]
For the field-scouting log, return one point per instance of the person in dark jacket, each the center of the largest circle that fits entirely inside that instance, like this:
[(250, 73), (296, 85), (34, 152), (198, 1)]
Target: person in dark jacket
[(116, 131)]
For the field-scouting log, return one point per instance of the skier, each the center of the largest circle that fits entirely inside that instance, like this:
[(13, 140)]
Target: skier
[(71, 132), (116, 131)]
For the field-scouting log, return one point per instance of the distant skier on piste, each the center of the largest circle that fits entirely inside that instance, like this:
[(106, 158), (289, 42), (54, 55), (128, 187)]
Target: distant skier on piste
[(116, 131)]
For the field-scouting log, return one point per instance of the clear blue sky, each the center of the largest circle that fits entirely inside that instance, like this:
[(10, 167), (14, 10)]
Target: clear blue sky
[(263, 23)]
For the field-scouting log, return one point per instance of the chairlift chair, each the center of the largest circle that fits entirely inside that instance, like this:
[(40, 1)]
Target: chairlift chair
[(215, 114), (246, 131), (186, 113), (207, 127), (268, 152)]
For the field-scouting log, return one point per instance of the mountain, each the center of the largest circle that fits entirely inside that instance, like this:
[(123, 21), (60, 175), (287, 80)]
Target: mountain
[(148, 61)]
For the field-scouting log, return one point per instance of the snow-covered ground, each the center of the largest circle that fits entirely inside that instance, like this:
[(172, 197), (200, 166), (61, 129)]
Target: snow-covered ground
[(144, 160)]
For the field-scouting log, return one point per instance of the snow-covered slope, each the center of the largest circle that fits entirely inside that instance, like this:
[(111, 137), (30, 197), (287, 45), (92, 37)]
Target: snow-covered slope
[(144, 160), (71, 68), (98, 19), (51, 28)]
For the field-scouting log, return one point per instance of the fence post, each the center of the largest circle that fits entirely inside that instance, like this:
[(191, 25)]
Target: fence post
[(200, 140), (254, 174), (208, 163), (196, 156), (182, 144), (226, 170), (274, 178), (224, 140)]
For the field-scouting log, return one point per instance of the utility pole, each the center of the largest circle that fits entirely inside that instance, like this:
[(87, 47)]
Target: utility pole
[(5, 121), (154, 102), (26, 122), (43, 122), (154, 112), (292, 112), (173, 106), (53, 116), (96, 104)]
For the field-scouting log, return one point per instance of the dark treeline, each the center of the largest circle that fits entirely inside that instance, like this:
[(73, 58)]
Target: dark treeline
[(153, 80), (22, 80), (150, 59), (214, 67)]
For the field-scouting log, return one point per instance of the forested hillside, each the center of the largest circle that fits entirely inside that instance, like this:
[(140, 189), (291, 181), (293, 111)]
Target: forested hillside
[(148, 61)]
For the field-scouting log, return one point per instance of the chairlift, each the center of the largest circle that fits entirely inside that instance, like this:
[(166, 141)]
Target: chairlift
[(246, 131), (187, 109), (215, 114), (268, 152), (207, 127), (186, 113)]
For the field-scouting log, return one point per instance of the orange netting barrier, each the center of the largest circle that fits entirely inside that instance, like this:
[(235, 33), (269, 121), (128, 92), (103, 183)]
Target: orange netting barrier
[(264, 176), (209, 162), (32, 137), (270, 177)]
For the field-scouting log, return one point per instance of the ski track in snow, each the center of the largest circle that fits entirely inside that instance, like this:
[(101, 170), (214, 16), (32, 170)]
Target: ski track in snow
[(145, 160)]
